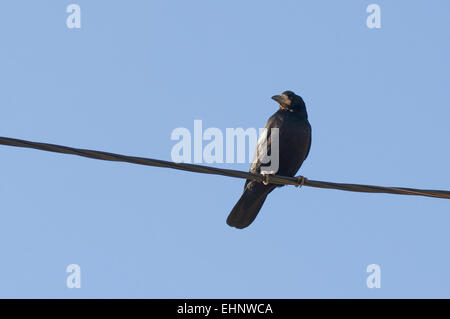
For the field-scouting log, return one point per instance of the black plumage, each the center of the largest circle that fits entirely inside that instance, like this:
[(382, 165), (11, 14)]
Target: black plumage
[(294, 144)]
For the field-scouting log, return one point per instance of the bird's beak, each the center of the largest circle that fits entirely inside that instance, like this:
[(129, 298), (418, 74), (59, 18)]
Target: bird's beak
[(282, 99)]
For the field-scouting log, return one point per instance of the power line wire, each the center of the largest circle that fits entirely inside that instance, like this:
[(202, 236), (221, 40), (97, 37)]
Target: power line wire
[(273, 179)]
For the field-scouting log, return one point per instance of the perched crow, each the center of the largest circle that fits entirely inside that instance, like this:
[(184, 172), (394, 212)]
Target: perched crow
[(294, 133)]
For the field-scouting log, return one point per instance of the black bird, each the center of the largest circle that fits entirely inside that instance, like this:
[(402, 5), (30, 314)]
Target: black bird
[(294, 133)]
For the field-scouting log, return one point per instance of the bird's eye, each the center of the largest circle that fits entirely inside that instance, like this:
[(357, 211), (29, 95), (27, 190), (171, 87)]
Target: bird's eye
[(288, 94)]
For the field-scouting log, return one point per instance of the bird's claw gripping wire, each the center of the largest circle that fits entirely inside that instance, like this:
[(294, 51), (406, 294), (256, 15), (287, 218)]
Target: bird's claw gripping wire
[(301, 181), (266, 175)]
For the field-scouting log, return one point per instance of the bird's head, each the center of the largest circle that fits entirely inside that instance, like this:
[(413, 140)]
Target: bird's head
[(290, 101)]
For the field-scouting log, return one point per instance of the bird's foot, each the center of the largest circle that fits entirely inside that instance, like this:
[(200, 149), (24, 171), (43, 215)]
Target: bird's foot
[(266, 176)]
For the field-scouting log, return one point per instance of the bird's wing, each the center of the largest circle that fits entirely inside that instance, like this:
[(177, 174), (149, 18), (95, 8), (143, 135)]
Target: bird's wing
[(263, 147), (309, 142)]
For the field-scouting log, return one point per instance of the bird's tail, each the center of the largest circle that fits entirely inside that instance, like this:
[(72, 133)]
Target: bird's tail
[(248, 206)]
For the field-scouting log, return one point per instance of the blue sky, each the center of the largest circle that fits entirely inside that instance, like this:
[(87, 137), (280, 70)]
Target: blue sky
[(378, 101)]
